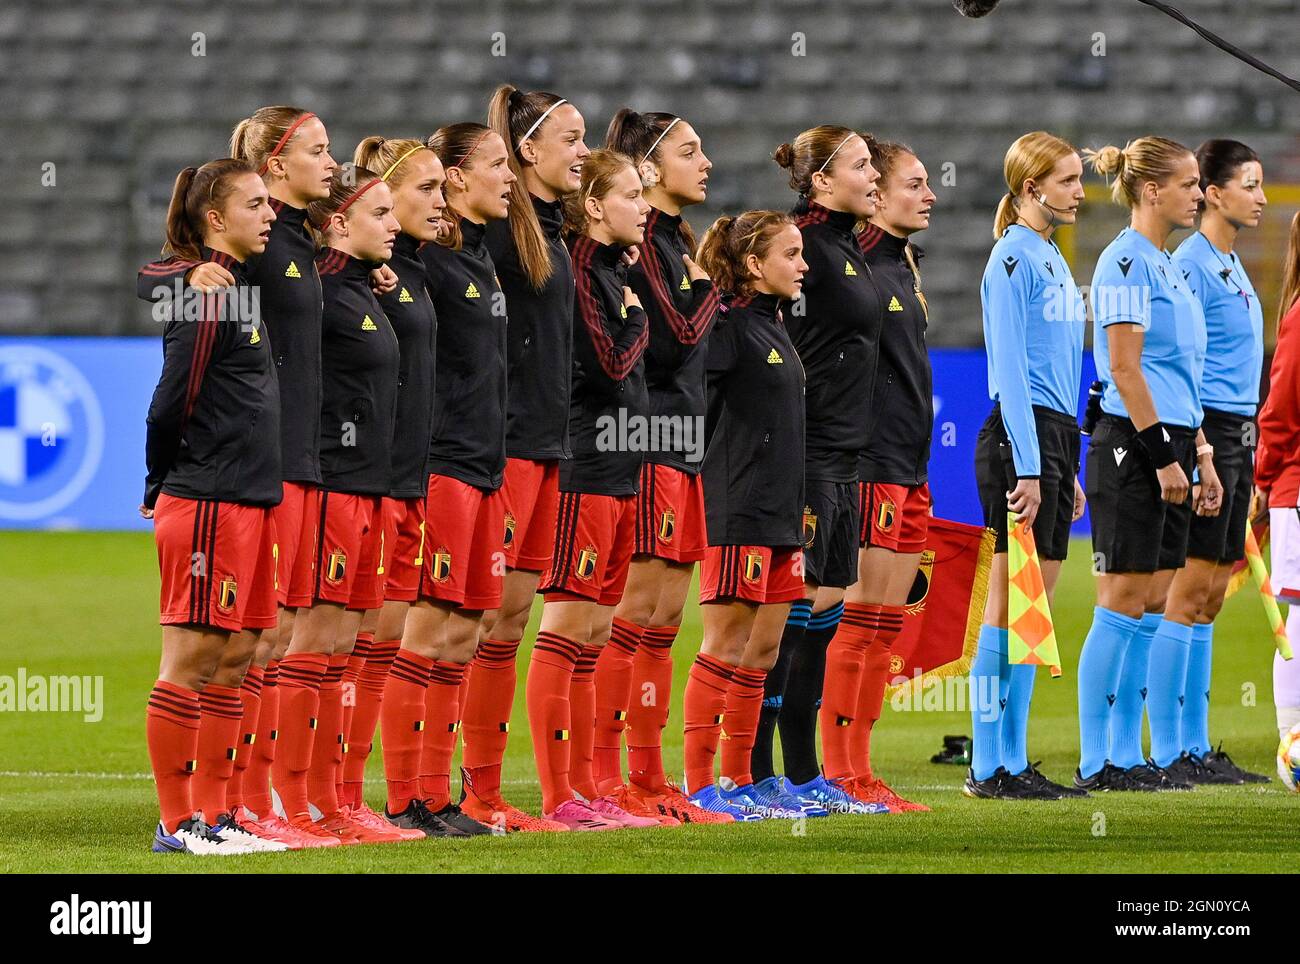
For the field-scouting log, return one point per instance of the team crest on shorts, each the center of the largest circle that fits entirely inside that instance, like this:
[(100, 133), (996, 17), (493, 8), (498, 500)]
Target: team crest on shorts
[(809, 526), (336, 566), (510, 529), (896, 664), (441, 565), (920, 585), (667, 524), (227, 593), (753, 567), (585, 567), (885, 516)]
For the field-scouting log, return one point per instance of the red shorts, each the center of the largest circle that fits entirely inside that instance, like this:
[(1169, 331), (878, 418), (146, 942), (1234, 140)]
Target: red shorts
[(346, 556), (530, 494), (756, 574), (593, 548), (464, 556), (402, 550), (894, 517), (217, 562), (296, 519), (670, 514)]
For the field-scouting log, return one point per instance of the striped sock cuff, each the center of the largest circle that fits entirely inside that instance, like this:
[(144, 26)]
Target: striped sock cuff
[(271, 675), (625, 636), (657, 640), (445, 673), (585, 667), (565, 649), (303, 670), (827, 618), (715, 668), (253, 680), (889, 623), (495, 653), (411, 668), (748, 680), (222, 701), (175, 704), (800, 610)]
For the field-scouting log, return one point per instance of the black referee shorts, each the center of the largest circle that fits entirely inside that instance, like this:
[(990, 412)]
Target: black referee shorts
[(1222, 538), (1058, 457), (830, 526), (1133, 529)]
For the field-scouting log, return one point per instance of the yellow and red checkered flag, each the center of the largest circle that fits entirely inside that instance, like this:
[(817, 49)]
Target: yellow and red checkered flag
[(1031, 637), (1255, 559)]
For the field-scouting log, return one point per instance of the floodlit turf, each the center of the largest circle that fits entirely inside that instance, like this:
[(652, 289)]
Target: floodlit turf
[(75, 796)]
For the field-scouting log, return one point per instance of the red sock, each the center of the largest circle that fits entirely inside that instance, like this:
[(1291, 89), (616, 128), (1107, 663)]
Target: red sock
[(871, 695), (255, 788), (582, 707), (844, 663), (613, 690), (250, 695), (442, 711), (740, 723), (704, 705), (300, 677), (402, 722), (361, 649), (649, 697), (220, 713), (327, 752), (550, 675), (488, 701), (172, 732), (369, 690)]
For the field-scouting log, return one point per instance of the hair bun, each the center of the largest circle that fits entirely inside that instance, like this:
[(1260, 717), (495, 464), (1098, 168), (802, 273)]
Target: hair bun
[(784, 155)]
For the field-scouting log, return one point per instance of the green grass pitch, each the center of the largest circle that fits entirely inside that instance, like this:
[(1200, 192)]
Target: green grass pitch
[(75, 796)]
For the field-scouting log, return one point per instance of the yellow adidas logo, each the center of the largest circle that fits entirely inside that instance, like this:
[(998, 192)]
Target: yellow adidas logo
[(405, 297), (292, 271), (848, 271), (471, 291), (255, 338), (774, 359), (367, 324), (894, 304), (622, 310), (685, 285)]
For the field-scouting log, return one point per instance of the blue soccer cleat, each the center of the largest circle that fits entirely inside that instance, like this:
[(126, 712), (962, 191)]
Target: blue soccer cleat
[(746, 797), (710, 798), (774, 792), (832, 796)]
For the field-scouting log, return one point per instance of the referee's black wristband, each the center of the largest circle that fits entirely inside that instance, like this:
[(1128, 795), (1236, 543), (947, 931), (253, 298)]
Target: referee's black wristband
[(1155, 439)]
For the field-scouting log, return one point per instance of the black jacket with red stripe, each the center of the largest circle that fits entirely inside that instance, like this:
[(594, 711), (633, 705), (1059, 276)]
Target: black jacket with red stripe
[(898, 450), (539, 340), (411, 313), (214, 420), (753, 466), (681, 312), (609, 396), (835, 326), (291, 310), (469, 408), (359, 370)]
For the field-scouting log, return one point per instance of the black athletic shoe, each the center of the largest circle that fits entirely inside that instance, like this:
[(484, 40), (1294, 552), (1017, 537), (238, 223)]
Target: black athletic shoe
[(988, 789), (1041, 788), (1109, 778), (1220, 762), (956, 750), (1190, 768), (1159, 776), (417, 816), (453, 816)]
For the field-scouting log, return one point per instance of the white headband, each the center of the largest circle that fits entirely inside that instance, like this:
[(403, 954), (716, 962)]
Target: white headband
[(658, 139), (833, 153), (538, 123)]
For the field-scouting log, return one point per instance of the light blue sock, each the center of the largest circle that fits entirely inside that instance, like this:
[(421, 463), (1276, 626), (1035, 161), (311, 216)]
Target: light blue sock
[(1015, 723), (1131, 697), (990, 678), (1196, 708), (1100, 663), (1167, 675)]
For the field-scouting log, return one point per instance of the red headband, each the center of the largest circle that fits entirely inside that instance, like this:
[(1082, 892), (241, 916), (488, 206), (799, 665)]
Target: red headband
[(279, 145), (470, 153), (356, 194)]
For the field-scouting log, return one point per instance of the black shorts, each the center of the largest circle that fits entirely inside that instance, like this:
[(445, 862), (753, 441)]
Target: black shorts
[(830, 527), (1058, 458), (1133, 529), (1222, 538)]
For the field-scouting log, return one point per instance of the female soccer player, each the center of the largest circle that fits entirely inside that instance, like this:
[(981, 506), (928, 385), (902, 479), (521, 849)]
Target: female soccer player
[(544, 136), (670, 534), (594, 539), (1178, 680), (414, 176), (1277, 475), (213, 456), (464, 525), (753, 490), (1027, 453), (1149, 345), (836, 330)]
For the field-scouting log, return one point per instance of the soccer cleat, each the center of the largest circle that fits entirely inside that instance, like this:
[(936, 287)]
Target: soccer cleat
[(274, 827), (1111, 778), (746, 797), (1041, 788), (956, 750), (1191, 768), (500, 815), (607, 808), (416, 816), (453, 816), (624, 799), (772, 792), (877, 790), (231, 831), (669, 801), (308, 828), (366, 832), (831, 795), (193, 837), (364, 817), (576, 815), (1168, 781), (710, 798), (336, 825), (1220, 762), (990, 788)]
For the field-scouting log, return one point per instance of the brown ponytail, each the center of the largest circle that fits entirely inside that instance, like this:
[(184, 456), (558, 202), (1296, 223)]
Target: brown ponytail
[(347, 181), (380, 154), (255, 138), (197, 191), (729, 241), (1290, 271)]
